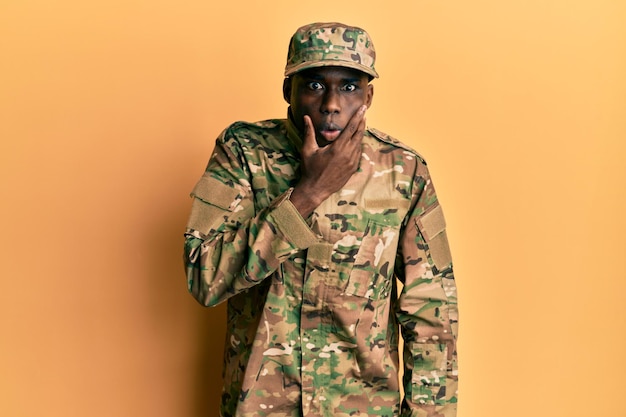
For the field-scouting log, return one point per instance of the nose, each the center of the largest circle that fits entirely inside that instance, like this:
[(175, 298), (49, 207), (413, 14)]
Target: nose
[(330, 102)]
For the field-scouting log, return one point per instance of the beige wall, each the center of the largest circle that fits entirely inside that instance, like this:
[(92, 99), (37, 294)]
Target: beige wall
[(108, 113)]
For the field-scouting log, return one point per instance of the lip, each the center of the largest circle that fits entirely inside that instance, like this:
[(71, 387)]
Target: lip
[(330, 134)]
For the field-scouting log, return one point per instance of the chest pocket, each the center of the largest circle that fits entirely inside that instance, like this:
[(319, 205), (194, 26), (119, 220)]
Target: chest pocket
[(371, 273)]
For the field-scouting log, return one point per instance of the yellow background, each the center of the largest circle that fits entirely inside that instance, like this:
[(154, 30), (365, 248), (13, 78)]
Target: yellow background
[(108, 113)]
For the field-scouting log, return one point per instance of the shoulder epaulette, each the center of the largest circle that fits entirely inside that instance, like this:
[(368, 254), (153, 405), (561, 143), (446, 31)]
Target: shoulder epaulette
[(393, 141), (270, 123)]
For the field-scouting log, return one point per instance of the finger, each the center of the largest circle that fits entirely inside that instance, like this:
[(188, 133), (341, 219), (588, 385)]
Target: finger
[(353, 145), (360, 130), (358, 118), (310, 144), (352, 128), (357, 138), (355, 121)]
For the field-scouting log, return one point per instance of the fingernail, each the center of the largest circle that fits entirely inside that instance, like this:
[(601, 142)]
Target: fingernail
[(363, 108)]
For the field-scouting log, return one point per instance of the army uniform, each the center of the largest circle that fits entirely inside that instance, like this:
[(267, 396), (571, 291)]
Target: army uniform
[(316, 305)]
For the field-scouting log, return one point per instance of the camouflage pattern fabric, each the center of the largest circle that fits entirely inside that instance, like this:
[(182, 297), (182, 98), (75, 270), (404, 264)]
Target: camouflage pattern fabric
[(316, 305), (336, 44)]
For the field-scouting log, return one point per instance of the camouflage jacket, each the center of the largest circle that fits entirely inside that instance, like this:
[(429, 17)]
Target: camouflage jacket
[(316, 305)]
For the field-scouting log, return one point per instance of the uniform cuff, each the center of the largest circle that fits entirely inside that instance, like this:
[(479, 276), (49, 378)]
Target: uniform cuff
[(290, 222)]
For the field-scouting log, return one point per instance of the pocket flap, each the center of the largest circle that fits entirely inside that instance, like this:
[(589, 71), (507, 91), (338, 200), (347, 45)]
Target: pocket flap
[(432, 223), (215, 192)]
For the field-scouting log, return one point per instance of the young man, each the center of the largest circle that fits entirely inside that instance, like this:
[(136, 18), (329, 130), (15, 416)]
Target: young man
[(305, 226)]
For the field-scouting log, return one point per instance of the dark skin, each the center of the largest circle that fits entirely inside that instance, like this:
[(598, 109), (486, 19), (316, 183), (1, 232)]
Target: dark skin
[(328, 106)]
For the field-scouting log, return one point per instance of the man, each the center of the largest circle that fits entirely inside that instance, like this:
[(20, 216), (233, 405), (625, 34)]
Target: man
[(305, 226)]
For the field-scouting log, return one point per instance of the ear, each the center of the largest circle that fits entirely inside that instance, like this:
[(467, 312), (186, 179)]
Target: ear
[(287, 90), (369, 95)]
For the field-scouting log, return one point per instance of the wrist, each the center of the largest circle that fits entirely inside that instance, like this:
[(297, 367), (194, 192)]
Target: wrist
[(304, 200)]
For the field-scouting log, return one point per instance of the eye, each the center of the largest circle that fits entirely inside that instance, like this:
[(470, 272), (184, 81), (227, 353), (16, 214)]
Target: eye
[(349, 87), (314, 85)]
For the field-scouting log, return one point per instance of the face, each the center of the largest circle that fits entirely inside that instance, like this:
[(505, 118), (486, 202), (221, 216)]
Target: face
[(329, 96)]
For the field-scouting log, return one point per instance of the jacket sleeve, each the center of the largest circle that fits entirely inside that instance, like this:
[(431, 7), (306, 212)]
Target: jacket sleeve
[(230, 245), (427, 309)]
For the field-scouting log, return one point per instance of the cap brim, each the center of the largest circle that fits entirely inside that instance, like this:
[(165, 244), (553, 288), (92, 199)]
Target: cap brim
[(316, 64)]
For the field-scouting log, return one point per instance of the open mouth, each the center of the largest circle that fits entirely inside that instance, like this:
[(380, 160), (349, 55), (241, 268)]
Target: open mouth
[(329, 131), (330, 135)]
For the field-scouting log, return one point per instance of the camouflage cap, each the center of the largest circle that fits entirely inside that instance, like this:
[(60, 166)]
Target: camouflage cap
[(330, 44)]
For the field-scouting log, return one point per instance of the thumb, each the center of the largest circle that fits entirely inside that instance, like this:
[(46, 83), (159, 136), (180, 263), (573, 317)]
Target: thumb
[(309, 145)]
